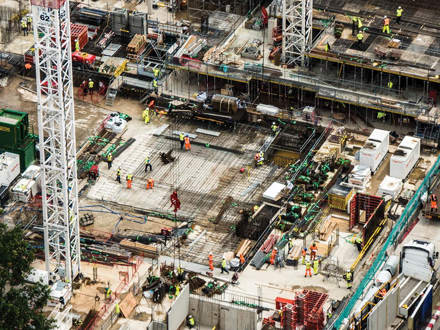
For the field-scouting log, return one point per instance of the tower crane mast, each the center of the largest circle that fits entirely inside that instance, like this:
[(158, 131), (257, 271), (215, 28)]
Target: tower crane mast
[(56, 128)]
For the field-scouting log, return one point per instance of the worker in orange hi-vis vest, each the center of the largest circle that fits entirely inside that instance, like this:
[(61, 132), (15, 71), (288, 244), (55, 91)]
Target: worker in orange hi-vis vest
[(308, 269), (304, 253), (129, 180), (150, 183), (211, 262), (273, 255), (187, 143), (313, 250), (242, 261)]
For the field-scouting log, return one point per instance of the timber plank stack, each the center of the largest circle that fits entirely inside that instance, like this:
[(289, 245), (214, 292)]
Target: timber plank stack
[(244, 247), (139, 248)]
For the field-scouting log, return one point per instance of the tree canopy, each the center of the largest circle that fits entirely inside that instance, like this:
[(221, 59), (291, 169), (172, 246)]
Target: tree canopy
[(20, 302)]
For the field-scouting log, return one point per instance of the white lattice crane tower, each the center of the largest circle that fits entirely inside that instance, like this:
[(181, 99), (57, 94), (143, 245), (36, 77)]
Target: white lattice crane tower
[(297, 31), (56, 128)]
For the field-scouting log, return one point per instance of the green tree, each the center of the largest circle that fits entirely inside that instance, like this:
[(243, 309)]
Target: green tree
[(20, 302)]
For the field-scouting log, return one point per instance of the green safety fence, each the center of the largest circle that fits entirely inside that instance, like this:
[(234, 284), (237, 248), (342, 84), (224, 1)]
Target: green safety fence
[(400, 225)]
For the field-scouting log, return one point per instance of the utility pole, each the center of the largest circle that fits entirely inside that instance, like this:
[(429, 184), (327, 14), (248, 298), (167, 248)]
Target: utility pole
[(297, 31), (56, 128)]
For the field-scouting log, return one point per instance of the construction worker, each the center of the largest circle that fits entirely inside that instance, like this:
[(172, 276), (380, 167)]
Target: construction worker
[(386, 25), (84, 87), (313, 250), (390, 84), (108, 292), (273, 255), (190, 322), (360, 37), (77, 45), (308, 269), (255, 209), (304, 253), (433, 203), (148, 164), (211, 262), (91, 85), (117, 310), (177, 290), (223, 266), (94, 172), (118, 175), (359, 24), (329, 314), (316, 266), (187, 143), (274, 127), (358, 243), (242, 260), (382, 292), (150, 183), (399, 12), (180, 274), (259, 158), (146, 115), (109, 160), (182, 140), (354, 26), (156, 72), (155, 85), (327, 47), (29, 23), (24, 27), (381, 115), (349, 278), (129, 179)]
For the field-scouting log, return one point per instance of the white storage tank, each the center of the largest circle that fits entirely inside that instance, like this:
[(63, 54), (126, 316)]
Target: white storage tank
[(9, 168), (390, 186), (405, 157), (374, 149)]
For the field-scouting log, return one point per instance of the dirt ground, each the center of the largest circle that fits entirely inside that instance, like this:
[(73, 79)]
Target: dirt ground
[(20, 95)]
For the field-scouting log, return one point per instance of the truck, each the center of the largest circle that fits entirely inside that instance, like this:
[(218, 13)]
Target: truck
[(400, 290)]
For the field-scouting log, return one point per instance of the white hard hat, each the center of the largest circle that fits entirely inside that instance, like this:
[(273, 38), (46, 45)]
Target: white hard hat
[(385, 16), (400, 7), (273, 123), (276, 248)]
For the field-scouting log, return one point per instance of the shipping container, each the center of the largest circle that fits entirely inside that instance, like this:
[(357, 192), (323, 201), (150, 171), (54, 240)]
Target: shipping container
[(374, 149), (14, 127), (26, 151), (405, 157), (9, 168), (339, 196)]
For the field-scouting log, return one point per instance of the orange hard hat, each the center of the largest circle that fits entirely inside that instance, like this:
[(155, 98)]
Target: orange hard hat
[(28, 66)]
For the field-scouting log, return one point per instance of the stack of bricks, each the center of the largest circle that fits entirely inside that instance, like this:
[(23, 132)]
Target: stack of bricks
[(313, 309), (305, 310)]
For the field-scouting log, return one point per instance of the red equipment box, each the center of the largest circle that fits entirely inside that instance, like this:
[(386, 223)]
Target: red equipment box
[(78, 31)]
